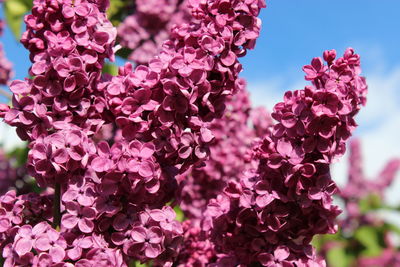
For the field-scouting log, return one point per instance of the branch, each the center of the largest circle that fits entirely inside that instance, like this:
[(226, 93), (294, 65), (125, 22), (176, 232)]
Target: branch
[(57, 207)]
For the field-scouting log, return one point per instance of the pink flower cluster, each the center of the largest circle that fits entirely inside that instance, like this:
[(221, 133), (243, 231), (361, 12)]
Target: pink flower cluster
[(144, 31), (110, 199), (230, 153), (270, 216)]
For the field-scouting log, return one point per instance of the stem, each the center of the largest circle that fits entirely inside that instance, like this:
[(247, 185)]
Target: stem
[(5, 93), (57, 206)]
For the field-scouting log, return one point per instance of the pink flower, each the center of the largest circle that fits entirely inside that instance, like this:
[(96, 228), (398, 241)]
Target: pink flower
[(27, 238), (77, 215), (147, 241)]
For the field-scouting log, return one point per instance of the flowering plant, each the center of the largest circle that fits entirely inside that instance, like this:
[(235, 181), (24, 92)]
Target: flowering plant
[(115, 154)]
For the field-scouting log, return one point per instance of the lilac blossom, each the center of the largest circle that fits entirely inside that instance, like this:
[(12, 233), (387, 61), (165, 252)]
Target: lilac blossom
[(63, 108), (294, 162)]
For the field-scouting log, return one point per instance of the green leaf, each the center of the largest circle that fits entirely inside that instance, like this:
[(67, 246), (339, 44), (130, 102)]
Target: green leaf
[(180, 216), (371, 202), (369, 237), (110, 69), (337, 257), (119, 10), (393, 228), (124, 52), (14, 13), (20, 154), (319, 240)]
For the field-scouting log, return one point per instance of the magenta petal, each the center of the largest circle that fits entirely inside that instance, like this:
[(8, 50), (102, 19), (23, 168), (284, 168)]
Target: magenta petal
[(68, 11), (5, 224), (99, 164), (289, 120), (157, 215), (82, 10), (118, 238), (120, 222), (85, 225), (74, 253), (69, 221), (89, 213), (147, 150), (200, 152), (185, 152), (264, 200), (284, 147), (146, 169), (42, 243), (152, 250), (228, 59), (69, 84), (138, 234), (86, 242), (22, 246), (20, 87), (60, 156), (57, 253), (266, 259), (206, 135), (155, 234), (25, 231), (281, 253)]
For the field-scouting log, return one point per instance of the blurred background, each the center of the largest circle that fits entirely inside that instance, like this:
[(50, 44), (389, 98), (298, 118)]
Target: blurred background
[(293, 33)]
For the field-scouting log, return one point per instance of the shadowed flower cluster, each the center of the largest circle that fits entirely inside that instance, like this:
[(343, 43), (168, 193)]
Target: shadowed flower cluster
[(144, 31)]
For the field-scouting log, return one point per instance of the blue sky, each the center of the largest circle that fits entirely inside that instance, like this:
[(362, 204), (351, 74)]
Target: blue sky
[(294, 32)]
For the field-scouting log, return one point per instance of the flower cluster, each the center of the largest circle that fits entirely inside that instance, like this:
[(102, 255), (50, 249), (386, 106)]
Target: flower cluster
[(230, 153), (270, 216), (110, 199), (144, 32), (27, 239)]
